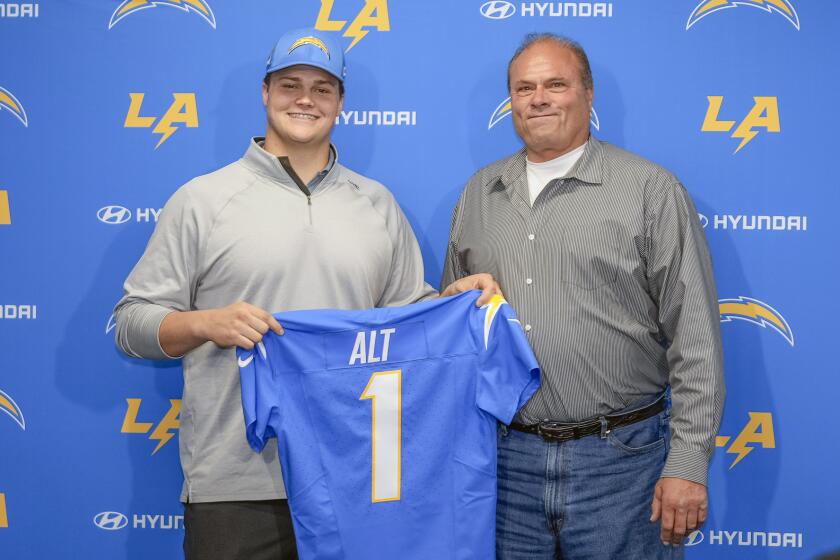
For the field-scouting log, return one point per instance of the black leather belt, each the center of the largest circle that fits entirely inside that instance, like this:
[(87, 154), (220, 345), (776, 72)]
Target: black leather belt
[(561, 431)]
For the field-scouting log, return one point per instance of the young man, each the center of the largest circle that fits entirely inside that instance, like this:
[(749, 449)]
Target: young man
[(285, 227)]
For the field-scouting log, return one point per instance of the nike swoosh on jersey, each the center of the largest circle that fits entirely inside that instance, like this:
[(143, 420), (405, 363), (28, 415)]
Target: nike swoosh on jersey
[(246, 361)]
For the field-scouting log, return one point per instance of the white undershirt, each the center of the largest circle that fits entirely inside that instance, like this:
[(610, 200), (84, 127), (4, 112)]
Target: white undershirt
[(540, 174)]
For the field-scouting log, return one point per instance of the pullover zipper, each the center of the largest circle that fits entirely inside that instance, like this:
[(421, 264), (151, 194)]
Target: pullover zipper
[(284, 161)]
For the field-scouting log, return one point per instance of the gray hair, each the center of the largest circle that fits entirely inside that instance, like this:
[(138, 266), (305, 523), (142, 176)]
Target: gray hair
[(564, 42)]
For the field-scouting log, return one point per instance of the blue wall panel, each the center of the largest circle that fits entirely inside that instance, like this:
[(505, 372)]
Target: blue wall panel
[(88, 469)]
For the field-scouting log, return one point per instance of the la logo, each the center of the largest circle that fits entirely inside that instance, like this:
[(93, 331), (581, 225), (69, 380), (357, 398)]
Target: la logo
[(758, 432), (161, 433), (374, 14), (182, 111), (764, 114)]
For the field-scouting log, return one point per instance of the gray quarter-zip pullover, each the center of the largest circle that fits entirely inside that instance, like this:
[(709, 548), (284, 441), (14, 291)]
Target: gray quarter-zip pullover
[(247, 233)]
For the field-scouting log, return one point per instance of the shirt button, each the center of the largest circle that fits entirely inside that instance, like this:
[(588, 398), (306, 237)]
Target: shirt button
[(530, 237), (527, 328), (529, 281)]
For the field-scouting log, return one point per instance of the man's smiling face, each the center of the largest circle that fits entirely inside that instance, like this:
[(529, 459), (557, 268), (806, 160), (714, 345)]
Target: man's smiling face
[(301, 104), (549, 102)]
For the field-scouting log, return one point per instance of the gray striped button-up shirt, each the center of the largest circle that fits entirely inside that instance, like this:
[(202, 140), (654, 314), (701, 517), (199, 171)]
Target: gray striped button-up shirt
[(610, 275)]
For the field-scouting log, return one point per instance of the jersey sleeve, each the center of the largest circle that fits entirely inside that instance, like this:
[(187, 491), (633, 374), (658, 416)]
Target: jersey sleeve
[(509, 373), (258, 405)]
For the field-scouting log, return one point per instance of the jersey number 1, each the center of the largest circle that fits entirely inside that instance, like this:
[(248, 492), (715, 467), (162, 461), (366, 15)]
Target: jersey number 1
[(384, 389)]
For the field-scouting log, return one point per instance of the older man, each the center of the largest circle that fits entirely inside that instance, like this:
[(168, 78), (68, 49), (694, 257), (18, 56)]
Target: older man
[(285, 227), (601, 255)]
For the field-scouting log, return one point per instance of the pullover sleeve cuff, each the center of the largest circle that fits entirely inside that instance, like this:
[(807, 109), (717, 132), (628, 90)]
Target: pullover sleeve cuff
[(144, 325), (687, 464)]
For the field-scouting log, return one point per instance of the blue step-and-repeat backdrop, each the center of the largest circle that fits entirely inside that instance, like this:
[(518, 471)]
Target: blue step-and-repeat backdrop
[(107, 106)]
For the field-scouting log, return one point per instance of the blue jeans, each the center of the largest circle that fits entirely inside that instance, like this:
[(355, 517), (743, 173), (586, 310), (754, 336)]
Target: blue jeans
[(582, 499)]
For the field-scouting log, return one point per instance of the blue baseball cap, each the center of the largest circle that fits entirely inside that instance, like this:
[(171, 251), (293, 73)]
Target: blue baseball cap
[(311, 47)]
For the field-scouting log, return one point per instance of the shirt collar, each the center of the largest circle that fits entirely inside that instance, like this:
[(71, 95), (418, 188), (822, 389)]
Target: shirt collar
[(317, 179), (266, 164), (588, 169)]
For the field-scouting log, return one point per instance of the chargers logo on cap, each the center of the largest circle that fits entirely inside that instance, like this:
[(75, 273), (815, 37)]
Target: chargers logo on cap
[(11, 104), (706, 7), (503, 110), (129, 7), (755, 312), (10, 407), (309, 40)]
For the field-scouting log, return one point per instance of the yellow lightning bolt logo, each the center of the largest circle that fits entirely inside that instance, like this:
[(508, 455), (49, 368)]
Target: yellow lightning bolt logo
[(708, 7), (765, 113), (165, 130), (755, 312), (129, 7), (745, 134), (161, 432), (10, 103), (10, 407), (170, 422), (374, 14), (759, 430), (504, 108)]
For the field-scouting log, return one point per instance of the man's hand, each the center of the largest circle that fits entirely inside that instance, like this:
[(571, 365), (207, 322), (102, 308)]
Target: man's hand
[(682, 505), (240, 324), (484, 282)]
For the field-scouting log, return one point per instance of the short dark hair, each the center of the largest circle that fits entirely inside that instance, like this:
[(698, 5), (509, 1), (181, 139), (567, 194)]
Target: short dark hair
[(564, 42), (267, 82)]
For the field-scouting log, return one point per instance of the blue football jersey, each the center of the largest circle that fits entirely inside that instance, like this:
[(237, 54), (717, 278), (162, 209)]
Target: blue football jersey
[(386, 424)]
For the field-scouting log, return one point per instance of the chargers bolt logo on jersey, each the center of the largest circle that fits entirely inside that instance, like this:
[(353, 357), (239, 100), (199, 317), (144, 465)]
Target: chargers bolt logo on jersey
[(755, 312), (373, 15), (492, 308), (10, 407), (503, 110), (708, 7), (128, 7), (10, 103)]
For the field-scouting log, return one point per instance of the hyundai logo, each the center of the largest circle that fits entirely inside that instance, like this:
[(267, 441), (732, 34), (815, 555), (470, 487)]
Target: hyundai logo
[(114, 214), (696, 537), (704, 221), (497, 9), (110, 520)]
